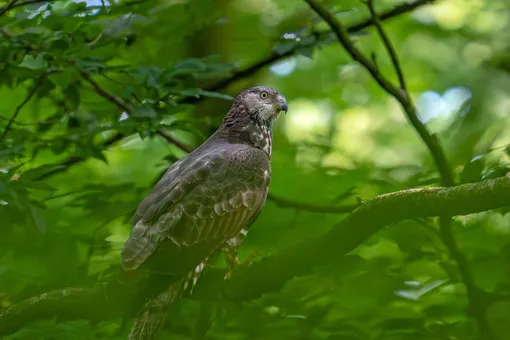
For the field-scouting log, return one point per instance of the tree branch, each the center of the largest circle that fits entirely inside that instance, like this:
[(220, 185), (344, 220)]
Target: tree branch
[(250, 282), (475, 299), (356, 228), (431, 141), (478, 306), (105, 94), (275, 56), (174, 141), (128, 109), (64, 165)]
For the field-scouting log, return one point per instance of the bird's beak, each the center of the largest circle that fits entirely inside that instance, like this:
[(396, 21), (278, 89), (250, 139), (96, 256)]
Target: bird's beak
[(282, 105)]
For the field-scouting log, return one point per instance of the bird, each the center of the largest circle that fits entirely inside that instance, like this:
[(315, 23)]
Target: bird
[(204, 203)]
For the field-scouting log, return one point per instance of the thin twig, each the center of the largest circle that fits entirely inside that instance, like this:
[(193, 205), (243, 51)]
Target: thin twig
[(475, 299), (174, 141), (73, 160), (389, 47), (20, 106), (6, 8), (105, 94), (15, 4), (17, 123), (128, 109)]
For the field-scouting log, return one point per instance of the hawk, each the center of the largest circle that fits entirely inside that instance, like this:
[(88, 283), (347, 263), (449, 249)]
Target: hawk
[(205, 201)]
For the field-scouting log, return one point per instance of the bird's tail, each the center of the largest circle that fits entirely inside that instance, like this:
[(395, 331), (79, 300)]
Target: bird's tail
[(153, 315)]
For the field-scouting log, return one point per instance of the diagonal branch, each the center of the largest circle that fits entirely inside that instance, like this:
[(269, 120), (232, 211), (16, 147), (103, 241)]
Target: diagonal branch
[(173, 140), (475, 298), (64, 165), (275, 56), (105, 94), (20, 106), (128, 109), (299, 260), (7, 7), (344, 39)]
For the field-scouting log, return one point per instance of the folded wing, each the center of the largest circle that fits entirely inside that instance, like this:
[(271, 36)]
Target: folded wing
[(201, 201)]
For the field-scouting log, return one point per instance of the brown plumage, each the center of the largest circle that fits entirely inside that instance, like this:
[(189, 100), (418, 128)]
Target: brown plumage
[(206, 200)]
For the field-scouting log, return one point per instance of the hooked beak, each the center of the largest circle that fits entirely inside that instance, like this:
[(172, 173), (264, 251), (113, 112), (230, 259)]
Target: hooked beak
[(282, 105)]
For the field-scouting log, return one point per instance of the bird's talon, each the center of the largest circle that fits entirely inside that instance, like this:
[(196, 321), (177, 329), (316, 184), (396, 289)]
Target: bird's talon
[(235, 264)]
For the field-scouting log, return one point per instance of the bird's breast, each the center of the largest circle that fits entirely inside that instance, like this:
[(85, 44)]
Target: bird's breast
[(262, 138)]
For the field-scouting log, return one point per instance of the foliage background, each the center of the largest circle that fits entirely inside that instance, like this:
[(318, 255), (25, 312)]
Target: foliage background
[(74, 167)]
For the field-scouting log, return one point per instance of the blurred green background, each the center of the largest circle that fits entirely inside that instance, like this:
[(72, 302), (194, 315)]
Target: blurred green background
[(73, 167)]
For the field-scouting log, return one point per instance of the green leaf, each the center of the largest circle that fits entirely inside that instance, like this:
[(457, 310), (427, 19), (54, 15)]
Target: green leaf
[(9, 152), (144, 112), (44, 88), (38, 218), (72, 96), (34, 173), (191, 65), (65, 78), (98, 154), (34, 64), (285, 46), (472, 171), (59, 145), (6, 77), (306, 51)]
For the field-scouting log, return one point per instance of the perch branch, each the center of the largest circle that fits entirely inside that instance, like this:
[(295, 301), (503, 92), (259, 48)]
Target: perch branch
[(356, 228), (250, 282)]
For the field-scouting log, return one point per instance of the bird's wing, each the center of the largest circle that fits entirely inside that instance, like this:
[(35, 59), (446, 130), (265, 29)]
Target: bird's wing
[(204, 200)]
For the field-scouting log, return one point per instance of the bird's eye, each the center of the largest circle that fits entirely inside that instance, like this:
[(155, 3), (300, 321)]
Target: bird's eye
[(263, 95)]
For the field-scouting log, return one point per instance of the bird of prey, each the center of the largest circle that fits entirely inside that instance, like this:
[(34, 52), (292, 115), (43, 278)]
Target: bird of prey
[(205, 201)]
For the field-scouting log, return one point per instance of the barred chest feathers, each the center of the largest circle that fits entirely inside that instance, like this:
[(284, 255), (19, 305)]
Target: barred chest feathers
[(262, 138)]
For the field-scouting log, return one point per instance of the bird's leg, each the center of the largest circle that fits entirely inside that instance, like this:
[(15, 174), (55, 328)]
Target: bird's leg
[(196, 273), (230, 250)]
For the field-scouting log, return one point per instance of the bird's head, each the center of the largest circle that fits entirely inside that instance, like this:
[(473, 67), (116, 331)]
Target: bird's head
[(262, 103)]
